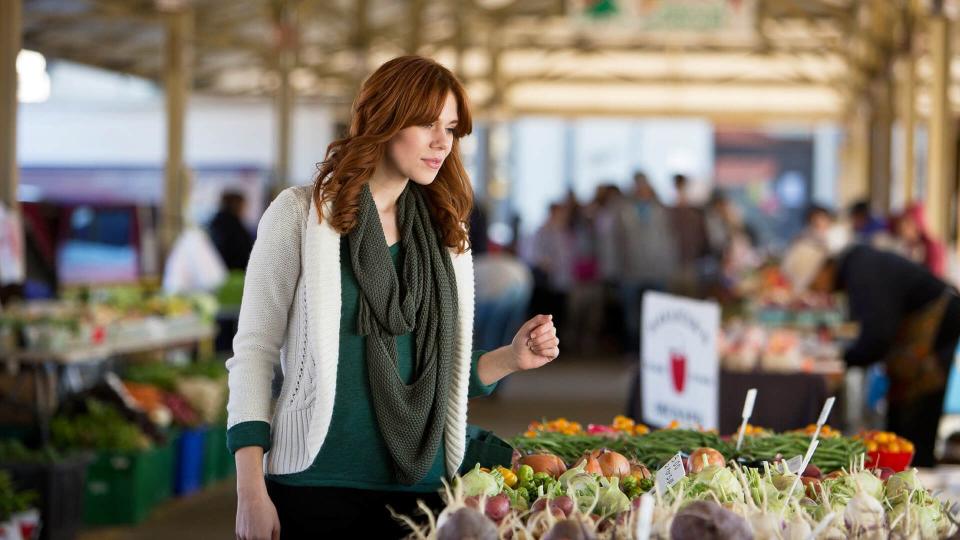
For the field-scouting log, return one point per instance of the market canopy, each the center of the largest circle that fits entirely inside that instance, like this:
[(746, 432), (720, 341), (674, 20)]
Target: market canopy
[(717, 58)]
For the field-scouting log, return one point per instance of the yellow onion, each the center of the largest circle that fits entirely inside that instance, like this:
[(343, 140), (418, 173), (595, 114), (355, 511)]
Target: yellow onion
[(639, 471), (697, 463), (592, 465), (611, 463), (546, 463)]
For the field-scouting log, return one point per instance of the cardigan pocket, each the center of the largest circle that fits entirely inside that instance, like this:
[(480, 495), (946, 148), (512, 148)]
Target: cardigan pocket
[(289, 449)]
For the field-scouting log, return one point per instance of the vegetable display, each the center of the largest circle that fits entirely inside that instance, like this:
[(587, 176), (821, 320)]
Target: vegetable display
[(598, 482)]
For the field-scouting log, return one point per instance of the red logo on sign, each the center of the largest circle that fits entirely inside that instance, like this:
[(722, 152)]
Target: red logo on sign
[(678, 368)]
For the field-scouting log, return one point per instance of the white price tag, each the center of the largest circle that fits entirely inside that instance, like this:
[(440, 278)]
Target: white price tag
[(671, 473), (748, 403), (794, 464), (825, 412)]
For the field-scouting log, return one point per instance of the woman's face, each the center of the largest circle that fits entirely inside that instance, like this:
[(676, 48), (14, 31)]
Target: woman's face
[(907, 229), (417, 152)]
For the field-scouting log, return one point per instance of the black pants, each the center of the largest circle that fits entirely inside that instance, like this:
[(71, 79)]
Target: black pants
[(919, 420), (324, 512)]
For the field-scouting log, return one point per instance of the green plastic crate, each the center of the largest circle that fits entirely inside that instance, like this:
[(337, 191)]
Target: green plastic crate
[(122, 487), (214, 451), (226, 464)]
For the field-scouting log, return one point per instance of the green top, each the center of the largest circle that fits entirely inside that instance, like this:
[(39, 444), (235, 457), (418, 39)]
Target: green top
[(354, 454)]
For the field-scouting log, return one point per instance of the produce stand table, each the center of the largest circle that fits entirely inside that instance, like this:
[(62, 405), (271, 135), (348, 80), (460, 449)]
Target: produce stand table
[(785, 400), (48, 364)]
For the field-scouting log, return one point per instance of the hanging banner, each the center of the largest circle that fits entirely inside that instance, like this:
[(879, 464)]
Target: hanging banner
[(680, 371), (669, 16)]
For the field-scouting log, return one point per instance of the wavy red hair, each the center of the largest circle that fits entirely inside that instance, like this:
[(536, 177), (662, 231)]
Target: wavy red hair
[(406, 91)]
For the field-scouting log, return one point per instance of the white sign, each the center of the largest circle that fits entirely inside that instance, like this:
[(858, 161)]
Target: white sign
[(680, 373), (671, 473)]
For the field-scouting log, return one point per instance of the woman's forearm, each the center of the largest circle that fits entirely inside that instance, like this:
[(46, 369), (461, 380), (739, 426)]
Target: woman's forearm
[(250, 471), (495, 365)]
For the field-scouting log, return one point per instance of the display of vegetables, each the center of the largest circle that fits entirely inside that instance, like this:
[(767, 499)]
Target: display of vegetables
[(101, 427), (721, 500)]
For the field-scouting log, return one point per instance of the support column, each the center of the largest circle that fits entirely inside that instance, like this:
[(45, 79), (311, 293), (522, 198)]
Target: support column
[(941, 152), (11, 35), (177, 84), (286, 44), (881, 127), (856, 158), (908, 84)]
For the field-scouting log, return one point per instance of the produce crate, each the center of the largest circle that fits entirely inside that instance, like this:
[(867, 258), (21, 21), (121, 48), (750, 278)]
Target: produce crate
[(214, 452), (122, 487), (188, 470), (61, 487)]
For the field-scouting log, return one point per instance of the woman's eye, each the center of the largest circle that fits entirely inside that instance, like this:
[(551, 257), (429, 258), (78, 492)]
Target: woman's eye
[(450, 131)]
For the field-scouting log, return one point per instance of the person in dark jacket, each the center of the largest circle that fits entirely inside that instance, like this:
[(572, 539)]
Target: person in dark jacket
[(908, 319), (229, 235)]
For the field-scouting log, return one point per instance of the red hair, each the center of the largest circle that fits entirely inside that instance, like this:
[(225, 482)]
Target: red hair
[(406, 91)]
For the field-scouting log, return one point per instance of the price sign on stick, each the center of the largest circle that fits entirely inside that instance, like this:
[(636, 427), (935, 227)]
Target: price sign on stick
[(671, 473), (645, 518), (806, 461), (747, 411), (824, 414)]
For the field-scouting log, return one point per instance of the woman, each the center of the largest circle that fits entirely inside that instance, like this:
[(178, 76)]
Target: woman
[(362, 289), (916, 242)]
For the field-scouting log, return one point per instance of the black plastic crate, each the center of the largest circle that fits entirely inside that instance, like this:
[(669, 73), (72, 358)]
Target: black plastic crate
[(61, 487)]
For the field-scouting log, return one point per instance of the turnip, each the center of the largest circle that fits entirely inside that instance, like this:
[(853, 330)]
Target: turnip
[(467, 523), (564, 503), (864, 516), (703, 520), (569, 529), (497, 507)]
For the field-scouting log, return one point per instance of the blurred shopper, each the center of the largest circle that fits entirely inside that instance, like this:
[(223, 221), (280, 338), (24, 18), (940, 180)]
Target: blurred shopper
[(234, 242), (690, 235), (361, 287), (866, 226), (821, 225), (649, 257), (908, 319), (914, 240), (503, 288), (552, 262), (732, 243)]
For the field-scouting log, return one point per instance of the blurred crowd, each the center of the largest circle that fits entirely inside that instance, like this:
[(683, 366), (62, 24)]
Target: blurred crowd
[(590, 263)]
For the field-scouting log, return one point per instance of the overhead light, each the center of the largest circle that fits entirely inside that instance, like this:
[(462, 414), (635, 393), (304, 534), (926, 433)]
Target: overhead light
[(33, 82)]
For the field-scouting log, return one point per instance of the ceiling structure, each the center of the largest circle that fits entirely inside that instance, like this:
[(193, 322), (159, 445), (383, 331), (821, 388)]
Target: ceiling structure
[(784, 59)]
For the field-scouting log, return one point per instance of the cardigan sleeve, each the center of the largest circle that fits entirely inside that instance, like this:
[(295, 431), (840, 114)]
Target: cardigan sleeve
[(269, 287)]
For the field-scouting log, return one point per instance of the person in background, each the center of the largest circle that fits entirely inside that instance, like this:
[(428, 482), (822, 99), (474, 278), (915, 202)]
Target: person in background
[(817, 222), (908, 318), (865, 225), (228, 233), (732, 243), (649, 257), (913, 239), (503, 288), (690, 234), (552, 263)]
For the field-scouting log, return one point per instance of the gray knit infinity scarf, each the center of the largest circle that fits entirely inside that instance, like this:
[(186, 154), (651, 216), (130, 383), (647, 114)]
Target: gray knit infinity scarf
[(422, 300)]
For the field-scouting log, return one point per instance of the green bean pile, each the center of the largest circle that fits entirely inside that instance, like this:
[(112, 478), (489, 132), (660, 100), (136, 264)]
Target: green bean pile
[(832, 453), (655, 448)]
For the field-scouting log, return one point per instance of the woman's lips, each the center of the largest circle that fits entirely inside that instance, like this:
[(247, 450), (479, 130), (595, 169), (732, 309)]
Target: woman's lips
[(433, 163)]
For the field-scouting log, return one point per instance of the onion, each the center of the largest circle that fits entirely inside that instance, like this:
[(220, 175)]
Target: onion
[(592, 465), (547, 463), (640, 471), (611, 463), (564, 503), (697, 462), (497, 507)]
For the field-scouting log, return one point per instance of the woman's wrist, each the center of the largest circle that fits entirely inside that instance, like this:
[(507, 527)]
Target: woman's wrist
[(496, 364)]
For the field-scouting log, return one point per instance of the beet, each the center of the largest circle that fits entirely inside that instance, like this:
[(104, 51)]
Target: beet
[(884, 472), (539, 504), (812, 471), (467, 523), (568, 529), (702, 520), (497, 507)]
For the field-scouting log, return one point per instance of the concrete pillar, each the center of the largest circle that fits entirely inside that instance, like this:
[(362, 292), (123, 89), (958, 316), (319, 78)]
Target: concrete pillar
[(11, 35), (177, 84), (941, 152)]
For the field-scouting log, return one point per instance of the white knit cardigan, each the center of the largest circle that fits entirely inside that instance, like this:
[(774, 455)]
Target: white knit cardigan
[(291, 314)]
